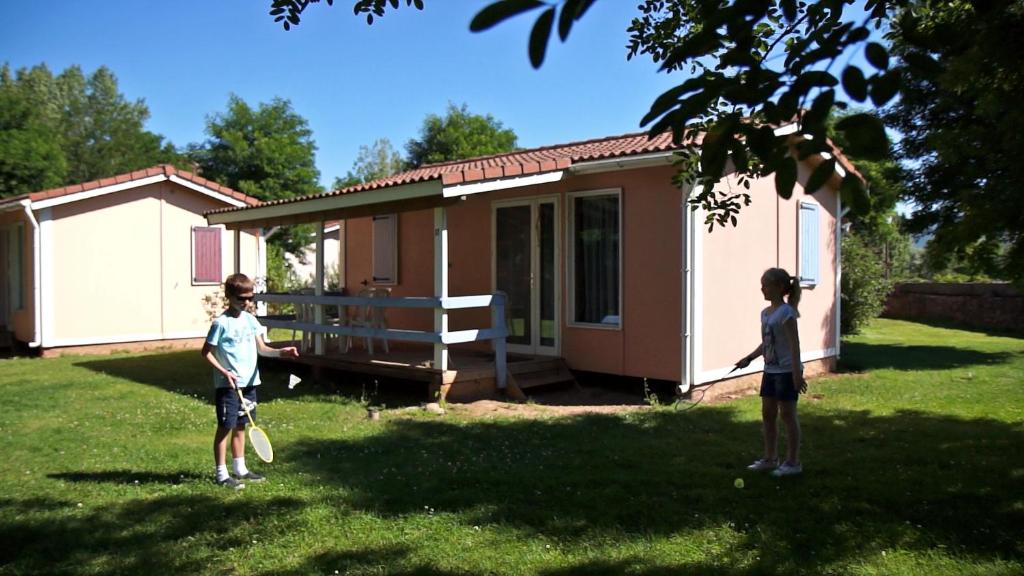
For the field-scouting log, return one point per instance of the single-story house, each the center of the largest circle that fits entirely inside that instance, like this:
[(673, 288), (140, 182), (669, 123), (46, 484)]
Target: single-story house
[(603, 261), (125, 259)]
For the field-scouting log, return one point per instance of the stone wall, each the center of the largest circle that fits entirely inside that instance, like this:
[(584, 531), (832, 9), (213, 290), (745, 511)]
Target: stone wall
[(985, 306)]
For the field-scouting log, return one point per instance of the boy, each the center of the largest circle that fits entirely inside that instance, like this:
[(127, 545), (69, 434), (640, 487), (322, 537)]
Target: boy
[(231, 347)]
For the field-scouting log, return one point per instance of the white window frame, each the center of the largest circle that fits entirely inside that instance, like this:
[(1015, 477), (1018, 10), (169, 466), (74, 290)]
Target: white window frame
[(571, 264), (807, 282), (16, 267), (534, 203), (384, 280), (192, 254)]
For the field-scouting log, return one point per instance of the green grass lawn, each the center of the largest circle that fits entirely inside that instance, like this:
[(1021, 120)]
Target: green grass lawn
[(913, 465)]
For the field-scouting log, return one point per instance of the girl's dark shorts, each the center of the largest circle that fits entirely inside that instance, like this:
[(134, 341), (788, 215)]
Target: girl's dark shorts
[(229, 407), (779, 386)]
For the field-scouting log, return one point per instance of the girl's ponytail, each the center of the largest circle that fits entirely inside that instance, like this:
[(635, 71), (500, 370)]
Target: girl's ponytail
[(794, 291)]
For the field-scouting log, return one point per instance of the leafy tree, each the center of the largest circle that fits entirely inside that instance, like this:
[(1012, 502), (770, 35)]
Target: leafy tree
[(102, 133), (70, 128), (266, 152), (30, 154), (963, 69), (875, 252), (376, 161), (458, 135), (863, 287), (751, 65), (879, 226)]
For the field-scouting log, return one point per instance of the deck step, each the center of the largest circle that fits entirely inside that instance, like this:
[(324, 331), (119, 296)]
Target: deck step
[(544, 372), (6, 339)]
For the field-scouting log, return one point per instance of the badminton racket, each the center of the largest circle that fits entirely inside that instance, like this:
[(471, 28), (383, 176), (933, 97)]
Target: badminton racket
[(258, 438)]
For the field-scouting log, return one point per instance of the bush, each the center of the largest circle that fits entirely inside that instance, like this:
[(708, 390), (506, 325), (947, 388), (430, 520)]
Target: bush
[(864, 287)]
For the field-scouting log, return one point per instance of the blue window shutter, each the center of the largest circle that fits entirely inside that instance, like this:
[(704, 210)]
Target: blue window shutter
[(809, 244)]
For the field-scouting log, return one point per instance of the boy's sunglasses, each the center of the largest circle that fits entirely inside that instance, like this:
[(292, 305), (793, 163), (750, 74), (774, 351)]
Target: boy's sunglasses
[(244, 298)]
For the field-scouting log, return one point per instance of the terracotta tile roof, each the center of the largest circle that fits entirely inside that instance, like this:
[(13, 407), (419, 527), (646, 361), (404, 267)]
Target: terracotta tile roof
[(162, 169), (510, 164), (519, 163)]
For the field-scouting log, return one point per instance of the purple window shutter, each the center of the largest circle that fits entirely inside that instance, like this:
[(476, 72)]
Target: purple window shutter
[(206, 244)]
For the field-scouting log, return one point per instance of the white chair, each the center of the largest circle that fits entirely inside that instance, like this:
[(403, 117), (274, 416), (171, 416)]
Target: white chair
[(372, 317), (304, 314)]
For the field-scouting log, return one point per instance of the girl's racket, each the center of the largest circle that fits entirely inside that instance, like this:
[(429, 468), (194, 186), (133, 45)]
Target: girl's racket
[(258, 438)]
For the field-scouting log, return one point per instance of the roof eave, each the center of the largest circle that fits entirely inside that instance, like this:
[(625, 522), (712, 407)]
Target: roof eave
[(332, 207)]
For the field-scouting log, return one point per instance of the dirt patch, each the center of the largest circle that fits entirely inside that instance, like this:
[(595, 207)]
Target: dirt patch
[(554, 403)]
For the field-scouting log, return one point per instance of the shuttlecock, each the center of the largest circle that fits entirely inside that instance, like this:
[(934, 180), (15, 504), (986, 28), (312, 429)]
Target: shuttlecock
[(293, 380)]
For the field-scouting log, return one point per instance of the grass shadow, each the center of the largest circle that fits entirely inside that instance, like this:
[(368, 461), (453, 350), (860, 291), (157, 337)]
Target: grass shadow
[(859, 357), (914, 479), (129, 477), (142, 536), (187, 373)]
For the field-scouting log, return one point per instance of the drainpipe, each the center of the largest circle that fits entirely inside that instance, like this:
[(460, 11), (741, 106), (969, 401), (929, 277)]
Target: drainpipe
[(686, 378), (36, 273), (842, 211)]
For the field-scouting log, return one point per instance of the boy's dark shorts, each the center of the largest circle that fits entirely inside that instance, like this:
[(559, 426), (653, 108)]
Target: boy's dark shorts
[(779, 386), (229, 406)]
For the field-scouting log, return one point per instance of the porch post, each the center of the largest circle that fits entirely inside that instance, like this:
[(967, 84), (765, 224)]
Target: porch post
[(440, 285), (318, 288)]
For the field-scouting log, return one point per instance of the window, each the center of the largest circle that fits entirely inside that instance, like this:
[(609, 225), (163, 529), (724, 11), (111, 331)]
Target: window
[(596, 282), (206, 255), (385, 249), (809, 244), (17, 263)]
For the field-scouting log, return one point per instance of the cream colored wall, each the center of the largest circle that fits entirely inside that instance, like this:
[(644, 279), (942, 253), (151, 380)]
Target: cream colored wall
[(183, 309), (22, 322), (734, 258), (122, 266), (106, 266)]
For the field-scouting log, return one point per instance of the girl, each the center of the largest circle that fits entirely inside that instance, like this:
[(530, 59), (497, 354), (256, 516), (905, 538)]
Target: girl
[(783, 378)]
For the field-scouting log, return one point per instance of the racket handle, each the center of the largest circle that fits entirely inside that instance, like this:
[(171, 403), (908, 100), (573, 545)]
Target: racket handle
[(241, 399)]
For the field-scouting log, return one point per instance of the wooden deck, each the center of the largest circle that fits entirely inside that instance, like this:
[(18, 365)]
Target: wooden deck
[(471, 374)]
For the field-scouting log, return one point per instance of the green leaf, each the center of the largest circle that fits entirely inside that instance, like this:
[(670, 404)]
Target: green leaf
[(865, 135), (820, 109), (785, 177), (821, 175), (813, 79), (565, 19), (539, 37), (877, 55), (855, 84), (854, 194), (500, 11), (788, 10), (884, 87)]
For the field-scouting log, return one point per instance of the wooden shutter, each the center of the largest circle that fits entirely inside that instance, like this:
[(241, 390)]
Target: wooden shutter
[(206, 255), (810, 241), (385, 249)]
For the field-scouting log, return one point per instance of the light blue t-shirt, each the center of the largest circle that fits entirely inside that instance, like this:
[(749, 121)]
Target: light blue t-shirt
[(233, 341), (778, 358)]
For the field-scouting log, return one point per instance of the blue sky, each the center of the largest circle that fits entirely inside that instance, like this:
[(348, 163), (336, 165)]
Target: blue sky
[(354, 83)]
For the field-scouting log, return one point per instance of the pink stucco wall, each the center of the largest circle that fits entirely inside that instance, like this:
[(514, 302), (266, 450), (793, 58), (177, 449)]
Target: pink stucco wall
[(733, 259), (648, 343)]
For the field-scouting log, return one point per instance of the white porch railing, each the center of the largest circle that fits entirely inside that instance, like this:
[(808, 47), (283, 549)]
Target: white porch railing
[(496, 333)]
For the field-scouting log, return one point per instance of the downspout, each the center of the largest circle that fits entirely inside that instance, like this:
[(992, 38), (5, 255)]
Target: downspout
[(841, 211), (686, 378), (36, 274)]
